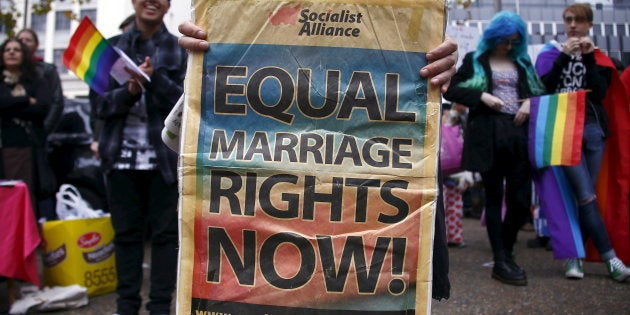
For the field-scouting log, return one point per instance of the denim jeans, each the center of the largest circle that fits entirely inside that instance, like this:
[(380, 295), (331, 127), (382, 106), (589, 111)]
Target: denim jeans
[(583, 178), (136, 197)]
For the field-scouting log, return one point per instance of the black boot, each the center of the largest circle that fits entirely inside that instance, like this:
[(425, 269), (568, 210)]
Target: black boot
[(512, 264), (505, 273)]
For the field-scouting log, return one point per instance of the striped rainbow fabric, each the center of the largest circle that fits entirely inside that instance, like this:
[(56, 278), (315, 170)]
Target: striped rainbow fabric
[(90, 56), (559, 208), (556, 124)]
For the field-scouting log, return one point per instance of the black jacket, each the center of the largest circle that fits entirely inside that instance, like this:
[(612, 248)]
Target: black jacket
[(161, 94), (13, 134), (51, 78), (478, 154), (597, 82)]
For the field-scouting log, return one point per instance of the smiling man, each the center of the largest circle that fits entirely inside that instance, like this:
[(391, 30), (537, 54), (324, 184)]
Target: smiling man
[(141, 172)]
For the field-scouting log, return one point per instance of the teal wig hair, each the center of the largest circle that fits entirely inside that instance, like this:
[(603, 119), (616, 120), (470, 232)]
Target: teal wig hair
[(503, 25)]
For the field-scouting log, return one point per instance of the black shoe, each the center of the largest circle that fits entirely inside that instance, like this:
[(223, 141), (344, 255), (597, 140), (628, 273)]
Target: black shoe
[(538, 241), (503, 272), (516, 268), (548, 246), (456, 245)]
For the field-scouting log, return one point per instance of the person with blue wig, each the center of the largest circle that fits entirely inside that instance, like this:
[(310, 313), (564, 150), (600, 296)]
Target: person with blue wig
[(492, 82)]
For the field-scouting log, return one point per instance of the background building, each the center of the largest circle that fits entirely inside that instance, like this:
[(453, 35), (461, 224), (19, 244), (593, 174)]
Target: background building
[(611, 31), (55, 28)]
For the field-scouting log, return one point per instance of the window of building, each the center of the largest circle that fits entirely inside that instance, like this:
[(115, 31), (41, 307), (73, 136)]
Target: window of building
[(559, 28), (546, 28), (91, 13), (38, 22), (58, 60), (62, 20)]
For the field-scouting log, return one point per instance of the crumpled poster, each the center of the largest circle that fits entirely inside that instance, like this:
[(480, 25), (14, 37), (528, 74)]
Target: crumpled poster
[(309, 158)]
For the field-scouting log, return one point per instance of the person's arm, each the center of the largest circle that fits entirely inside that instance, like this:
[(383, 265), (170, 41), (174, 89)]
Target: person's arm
[(117, 101), (597, 78), (57, 101), (166, 78), (441, 59), (468, 97), (167, 81), (39, 103), (11, 104), (95, 122), (550, 76)]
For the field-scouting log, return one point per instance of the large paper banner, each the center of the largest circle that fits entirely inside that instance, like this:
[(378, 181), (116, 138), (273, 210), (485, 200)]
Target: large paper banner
[(309, 158)]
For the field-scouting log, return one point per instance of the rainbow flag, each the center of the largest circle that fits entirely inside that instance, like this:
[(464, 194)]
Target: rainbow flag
[(613, 181), (561, 211), (556, 124), (90, 56)]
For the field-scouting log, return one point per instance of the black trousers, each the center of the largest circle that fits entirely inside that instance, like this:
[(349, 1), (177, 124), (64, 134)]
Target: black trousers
[(510, 176), (135, 197)]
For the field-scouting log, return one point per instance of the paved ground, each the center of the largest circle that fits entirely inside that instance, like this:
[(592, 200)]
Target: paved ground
[(548, 292), (474, 292)]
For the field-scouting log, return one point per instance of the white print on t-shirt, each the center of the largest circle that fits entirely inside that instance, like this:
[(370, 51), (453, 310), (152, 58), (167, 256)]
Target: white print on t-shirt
[(573, 77)]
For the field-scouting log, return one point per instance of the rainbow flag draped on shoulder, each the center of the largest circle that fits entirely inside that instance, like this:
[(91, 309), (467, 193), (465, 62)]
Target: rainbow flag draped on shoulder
[(613, 181), (556, 125), (90, 56)]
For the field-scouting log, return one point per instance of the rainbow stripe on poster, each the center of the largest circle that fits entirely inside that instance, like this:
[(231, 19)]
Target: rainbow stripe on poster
[(90, 56), (556, 125)]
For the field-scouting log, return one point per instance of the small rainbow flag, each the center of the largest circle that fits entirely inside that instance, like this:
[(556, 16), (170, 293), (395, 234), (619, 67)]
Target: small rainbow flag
[(90, 56), (556, 124)]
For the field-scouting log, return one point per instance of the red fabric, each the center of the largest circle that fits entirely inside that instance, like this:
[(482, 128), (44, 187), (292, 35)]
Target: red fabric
[(625, 79), (20, 236), (454, 210), (613, 182)]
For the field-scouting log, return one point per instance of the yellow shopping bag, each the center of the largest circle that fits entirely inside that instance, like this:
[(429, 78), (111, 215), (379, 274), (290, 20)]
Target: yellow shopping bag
[(80, 252)]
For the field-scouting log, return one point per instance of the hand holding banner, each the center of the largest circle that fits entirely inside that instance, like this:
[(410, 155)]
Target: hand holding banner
[(309, 159)]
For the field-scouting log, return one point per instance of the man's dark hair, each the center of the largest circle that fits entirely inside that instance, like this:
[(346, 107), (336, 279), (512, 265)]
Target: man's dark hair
[(126, 22)]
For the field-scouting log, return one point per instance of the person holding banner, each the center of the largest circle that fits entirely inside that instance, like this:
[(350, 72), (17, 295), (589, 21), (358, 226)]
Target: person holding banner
[(577, 65), (490, 82), (141, 172), (440, 69)]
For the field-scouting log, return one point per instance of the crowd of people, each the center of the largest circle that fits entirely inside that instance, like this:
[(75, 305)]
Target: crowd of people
[(127, 120), (493, 84), (139, 170)]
